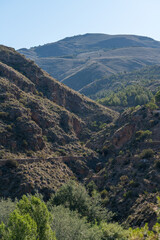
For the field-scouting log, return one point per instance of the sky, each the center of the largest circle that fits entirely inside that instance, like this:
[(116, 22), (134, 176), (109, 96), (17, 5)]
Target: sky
[(28, 23)]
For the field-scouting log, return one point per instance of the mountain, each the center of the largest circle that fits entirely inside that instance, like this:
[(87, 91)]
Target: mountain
[(49, 134), (82, 60), (38, 112)]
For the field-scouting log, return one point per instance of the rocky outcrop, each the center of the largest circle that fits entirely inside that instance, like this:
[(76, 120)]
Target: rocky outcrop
[(131, 170), (123, 135)]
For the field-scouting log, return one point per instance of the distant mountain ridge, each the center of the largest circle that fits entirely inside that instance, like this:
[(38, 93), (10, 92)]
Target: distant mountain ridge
[(89, 42), (81, 60)]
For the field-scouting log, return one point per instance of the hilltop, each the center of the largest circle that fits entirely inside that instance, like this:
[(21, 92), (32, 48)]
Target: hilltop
[(82, 60)]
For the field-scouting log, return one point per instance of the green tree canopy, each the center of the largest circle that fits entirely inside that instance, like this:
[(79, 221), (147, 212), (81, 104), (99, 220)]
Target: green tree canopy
[(30, 220)]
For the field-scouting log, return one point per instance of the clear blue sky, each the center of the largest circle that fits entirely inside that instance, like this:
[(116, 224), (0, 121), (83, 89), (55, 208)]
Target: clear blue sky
[(27, 23)]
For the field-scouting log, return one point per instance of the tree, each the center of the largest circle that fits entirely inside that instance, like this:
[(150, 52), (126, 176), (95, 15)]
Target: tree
[(157, 97), (29, 221), (39, 212), (69, 225), (76, 198), (20, 227)]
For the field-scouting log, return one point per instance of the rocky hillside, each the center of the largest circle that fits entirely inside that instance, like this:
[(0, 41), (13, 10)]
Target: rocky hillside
[(42, 119), (81, 60), (49, 134), (130, 175), (40, 115)]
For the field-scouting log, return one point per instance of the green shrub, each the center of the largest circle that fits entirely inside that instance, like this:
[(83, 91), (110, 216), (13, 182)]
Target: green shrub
[(157, 163), (75, 197), (128, 194), (157, 97), (145, 233), (91, 187), (107, 148), (132, 183), (124, 178), (104, 193), (113, 231), (121, 153), (7, 206), (147, 153), (152, 105), (24, 143), (68, 225), (9, 127), (141, 135)]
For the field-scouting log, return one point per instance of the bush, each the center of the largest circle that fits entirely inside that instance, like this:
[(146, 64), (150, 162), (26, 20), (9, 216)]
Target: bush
[(68, 225), (113, 231), (11, 163), (91, 187), (75, 197), (104, 194), (4, 115), (145, 233), (7, 206), (157, 97), (152, 105), (157, 164), (106, 149), (147, 153), (141, 135), (128, 194)]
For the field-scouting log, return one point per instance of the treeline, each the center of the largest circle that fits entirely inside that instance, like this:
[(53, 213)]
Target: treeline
[(129, 96), (72, 213), (148, 77)]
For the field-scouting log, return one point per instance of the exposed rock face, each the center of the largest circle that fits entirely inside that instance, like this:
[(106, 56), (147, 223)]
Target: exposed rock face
[(123, 135)]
